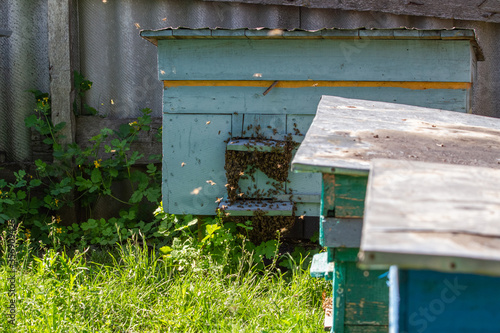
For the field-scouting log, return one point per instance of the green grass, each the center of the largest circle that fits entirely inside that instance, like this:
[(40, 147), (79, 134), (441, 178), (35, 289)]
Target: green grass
[(131, 289)]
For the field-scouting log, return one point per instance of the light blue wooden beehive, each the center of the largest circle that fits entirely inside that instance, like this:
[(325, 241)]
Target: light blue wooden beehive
[(215, 81), (439, 225)]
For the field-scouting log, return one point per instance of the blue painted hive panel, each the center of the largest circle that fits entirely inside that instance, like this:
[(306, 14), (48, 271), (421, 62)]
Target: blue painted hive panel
[(219, 72), (447, 302)]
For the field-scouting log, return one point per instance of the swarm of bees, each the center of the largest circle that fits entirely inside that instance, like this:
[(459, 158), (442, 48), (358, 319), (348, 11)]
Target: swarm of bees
[(275, 164), (264, 227)]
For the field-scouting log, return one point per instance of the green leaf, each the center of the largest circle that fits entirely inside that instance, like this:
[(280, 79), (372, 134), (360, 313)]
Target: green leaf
[(8, 201), (31, 121), (96, 176), (113, 173), (35, 182), (59, 126), (21, 195), (166, 249), (136, 197), (48, 141)]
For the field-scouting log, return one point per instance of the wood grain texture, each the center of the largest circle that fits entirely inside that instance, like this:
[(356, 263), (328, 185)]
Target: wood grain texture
[(365, 329), (300, 100), (321, 59), (414, 85), (328, 195), (367, 297), (448, 302), (474, 10), (348, 133), (338, 296), (193, 167), (301, 184), (350, 192), (341, 232), (442, 217)]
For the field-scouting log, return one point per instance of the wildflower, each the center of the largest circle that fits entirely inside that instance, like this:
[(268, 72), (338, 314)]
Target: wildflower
[(28, 233), (56, 202), (58, 230), (97, 163), (58, 219), (133, 123)]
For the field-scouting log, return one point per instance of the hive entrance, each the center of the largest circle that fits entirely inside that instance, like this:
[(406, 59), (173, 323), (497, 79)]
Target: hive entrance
[(244, 156)]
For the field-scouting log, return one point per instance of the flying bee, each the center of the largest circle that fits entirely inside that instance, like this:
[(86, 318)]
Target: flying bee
[(208, 122)]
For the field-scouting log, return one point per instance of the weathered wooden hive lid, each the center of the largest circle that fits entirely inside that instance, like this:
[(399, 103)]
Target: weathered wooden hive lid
[(432, 216), (265, 33), (347, 134)]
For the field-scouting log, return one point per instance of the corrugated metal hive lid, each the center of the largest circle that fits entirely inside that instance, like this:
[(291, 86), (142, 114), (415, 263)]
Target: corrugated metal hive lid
[(327, 33)]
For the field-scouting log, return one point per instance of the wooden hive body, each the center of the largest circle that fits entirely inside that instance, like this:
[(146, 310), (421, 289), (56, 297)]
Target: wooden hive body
[(215, 81), (344, 137), (438, 225)]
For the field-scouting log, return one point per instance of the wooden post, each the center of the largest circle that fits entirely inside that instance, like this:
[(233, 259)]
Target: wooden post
[(60, 66), (61, 29)]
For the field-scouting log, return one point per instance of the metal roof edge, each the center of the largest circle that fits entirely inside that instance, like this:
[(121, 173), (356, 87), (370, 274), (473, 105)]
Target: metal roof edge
[(326, 33)]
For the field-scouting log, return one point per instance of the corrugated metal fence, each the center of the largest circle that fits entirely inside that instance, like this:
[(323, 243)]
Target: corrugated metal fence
[(123, 66)]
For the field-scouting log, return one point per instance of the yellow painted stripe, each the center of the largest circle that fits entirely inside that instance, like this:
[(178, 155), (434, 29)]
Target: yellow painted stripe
[(304, 84)]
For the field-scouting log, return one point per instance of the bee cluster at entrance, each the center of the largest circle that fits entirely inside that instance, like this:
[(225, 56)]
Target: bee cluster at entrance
[(272, 158)]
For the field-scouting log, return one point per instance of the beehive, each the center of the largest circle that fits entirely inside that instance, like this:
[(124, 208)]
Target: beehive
[(438, 225), (344, 137), (221, 85)]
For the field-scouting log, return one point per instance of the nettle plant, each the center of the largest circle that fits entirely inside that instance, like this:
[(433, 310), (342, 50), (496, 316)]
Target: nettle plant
[(81, 176)]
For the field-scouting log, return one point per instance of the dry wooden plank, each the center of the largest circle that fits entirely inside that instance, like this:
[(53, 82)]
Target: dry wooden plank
[(348, 133), (475, 10), (443, 217)]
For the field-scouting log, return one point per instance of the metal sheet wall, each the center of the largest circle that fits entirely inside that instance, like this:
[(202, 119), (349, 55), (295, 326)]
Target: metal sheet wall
[(123, 66), (24, 65)]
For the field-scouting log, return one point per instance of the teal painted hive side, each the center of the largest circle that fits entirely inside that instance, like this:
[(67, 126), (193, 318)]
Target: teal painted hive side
[(203, 74), (432, 301)]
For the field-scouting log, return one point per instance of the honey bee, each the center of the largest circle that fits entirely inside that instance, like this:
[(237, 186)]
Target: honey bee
[(208, 122), (183, 164)]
